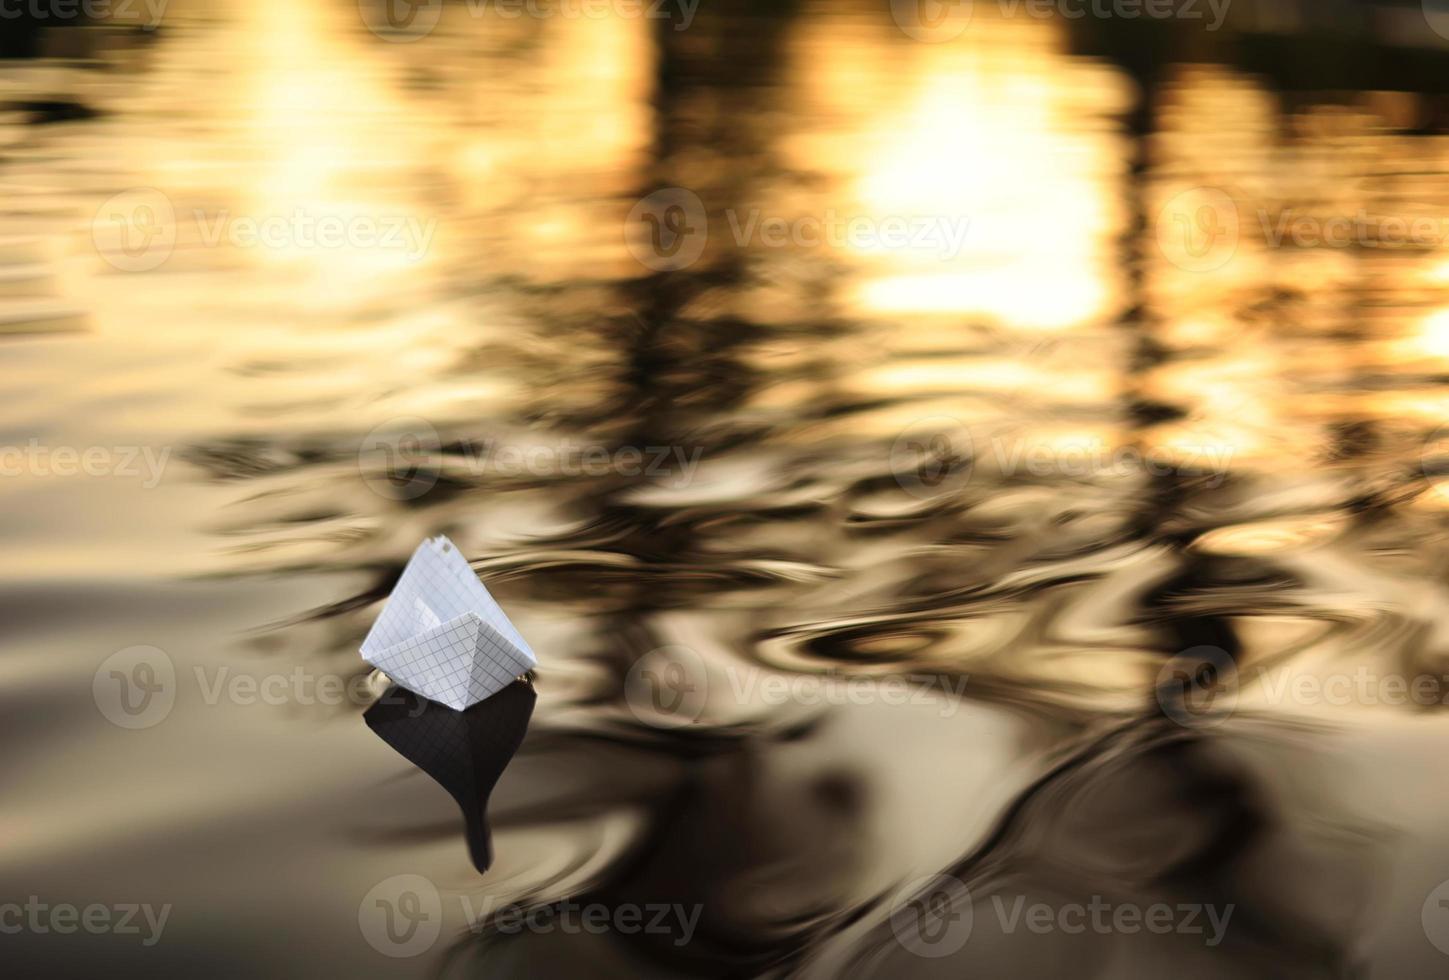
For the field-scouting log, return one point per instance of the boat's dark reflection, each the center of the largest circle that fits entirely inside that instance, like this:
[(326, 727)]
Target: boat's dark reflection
[(465, 751)]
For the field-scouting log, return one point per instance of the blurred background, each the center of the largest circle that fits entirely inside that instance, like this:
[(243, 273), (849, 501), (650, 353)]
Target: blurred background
[(946, 456)]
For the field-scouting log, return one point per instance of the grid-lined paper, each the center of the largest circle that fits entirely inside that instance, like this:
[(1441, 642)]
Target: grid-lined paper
[(442, 635)]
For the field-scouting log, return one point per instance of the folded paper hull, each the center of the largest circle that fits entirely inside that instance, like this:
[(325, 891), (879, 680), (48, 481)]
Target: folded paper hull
[(442, 635)]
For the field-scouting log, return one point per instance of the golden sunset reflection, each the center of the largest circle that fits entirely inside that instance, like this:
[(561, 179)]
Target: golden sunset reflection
[(1005, 136), (1016, 356)]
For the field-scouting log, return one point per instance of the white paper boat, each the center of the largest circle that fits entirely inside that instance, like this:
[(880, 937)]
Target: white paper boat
[(442, 635)]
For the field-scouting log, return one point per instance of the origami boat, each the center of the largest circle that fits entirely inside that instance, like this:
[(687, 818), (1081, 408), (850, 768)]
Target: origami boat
[(441, 634)]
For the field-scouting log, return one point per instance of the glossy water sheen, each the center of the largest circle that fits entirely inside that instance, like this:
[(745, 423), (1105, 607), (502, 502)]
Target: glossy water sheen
[(1030, 606)]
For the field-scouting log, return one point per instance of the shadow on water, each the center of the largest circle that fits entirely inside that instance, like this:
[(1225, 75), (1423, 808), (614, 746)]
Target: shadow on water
[(465, 751)]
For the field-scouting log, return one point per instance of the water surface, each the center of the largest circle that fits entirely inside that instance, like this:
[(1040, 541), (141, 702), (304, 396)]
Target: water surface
[(1106, 441)]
